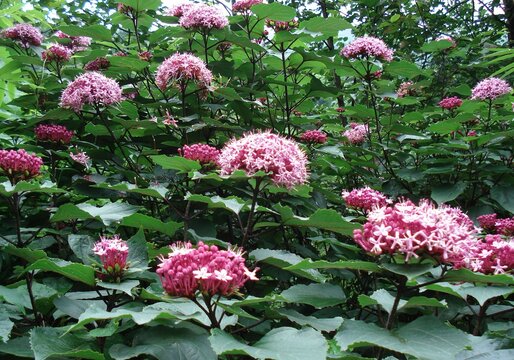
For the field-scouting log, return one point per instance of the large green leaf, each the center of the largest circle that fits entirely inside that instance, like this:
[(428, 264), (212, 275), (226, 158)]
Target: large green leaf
[(341, 264), (6, 325), (317, 295), (403, 68), (139, 5), (108, 213), (49, 342), (274, 11), (320, 324), (447, 192), (233, 204), (179, 163), (150, 223), (47, 187), (283, 343), (504, 195), (97, 32), (73, 271)]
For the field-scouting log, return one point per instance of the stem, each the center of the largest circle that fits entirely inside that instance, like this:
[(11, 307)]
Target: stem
[(480, 318), (29, 277), (249, 226), (286, 94)]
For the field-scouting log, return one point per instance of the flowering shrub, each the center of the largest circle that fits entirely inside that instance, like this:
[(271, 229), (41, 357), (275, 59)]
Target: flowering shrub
[(368, 178)]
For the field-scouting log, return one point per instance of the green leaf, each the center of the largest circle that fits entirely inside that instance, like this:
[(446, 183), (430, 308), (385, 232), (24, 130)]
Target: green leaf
[(6, 326), (47, 187), (97, 32), (325, 219), (274, 11), (282, 259), (445, 127), (150, 223), (232, 203), (125, 286), (179, 163), (504, 195), (342, 264), (19, 347), (317, 295), (139, 5), (108, 213), (49, 342), (320, 324), (73, 271), (436, 45), (138, 253), (82, 247), (165, 343), (25, 253), (283, 343), (325, 27), (126, 62), (469, 276), (410, 271), (447, 192), (403, 68)]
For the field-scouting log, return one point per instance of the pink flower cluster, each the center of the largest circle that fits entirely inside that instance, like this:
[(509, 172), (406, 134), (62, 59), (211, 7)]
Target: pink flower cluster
[(205, 268), (203, 153), (100, 63), (25, 34), (90, 88), (113, 252), (405, 89), (202, 17), (19, 165), (365, 198), (492, 255), (447, 38), (490, 223), (243, 6), (413, 230), (57, 52), (268, 152), (77, 43), (53, 133), (282, 25), (179, 9), (82, 158), (367, 46), (450, 103), (314, 137), (490, 89), (179, 69), (357, 133)]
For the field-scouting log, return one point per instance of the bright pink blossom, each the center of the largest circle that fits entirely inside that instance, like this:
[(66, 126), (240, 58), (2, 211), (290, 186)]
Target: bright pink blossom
[(180, 69), (413, 230), (100, 63), (367, 46), (202, 17), (357, 133), (488, 222), (365, 198), (314, 137), (203, 153), (77, 43), (57, 52), (492, 255), (490, 89), (179, 9), (206, 269), (53, 133), (113, 253), (243, 6), (19, 165), (90, 88), (505, 226), (268, 152), (450, 103), (25, 34)]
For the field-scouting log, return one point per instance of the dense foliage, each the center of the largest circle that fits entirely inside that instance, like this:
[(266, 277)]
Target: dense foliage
[(283, 180)]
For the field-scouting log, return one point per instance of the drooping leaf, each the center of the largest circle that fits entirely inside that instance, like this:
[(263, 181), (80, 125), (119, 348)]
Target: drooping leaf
[(317, 295)]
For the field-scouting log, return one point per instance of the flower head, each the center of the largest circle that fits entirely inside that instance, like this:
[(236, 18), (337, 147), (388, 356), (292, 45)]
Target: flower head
[(365, 198), (90, 88), (179, 9), (202, 17), (367, 46), (268, 152), (100, 63), (490, 89), (450, 103), (25, 34), (414, 230), (314, 137), (282, 25), (357, 133), (113, 252), (243, 6), (53, 133), (505, 226), (19, 165), (488, 222), (57, 52), (203, 153), (206, 269), (180, 69), (77, 43)]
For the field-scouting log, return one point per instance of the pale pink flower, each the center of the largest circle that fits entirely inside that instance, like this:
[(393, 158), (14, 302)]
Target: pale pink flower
[(264, 151), (367, 46), (365, 198), (180, 69), (203, 153), (314, 137), (414, 230), (178, 10), (490, 89), (450, 103), (82, 158), (77, 43), (205, 269), (405, 89), (53, 133), (357, 133), (202, 17), (19, 165), (243, 6), (90, 88), (57, 52), (25, 34), (113, 253)]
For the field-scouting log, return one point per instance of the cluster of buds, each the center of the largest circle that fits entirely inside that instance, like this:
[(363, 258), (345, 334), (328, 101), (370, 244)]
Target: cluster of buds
[(203, 153), (282, 25), (19, 165), (113, 253), (493, 225), (98, 64), (53, 133), (314, 137), (365, 198)]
